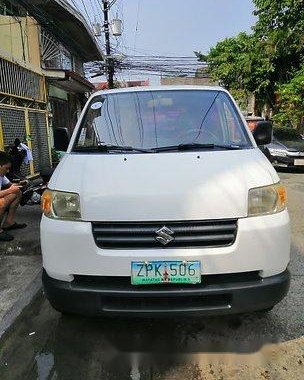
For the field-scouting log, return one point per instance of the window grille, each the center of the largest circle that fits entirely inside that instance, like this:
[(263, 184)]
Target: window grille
[(54, 54), (13, 121), (39, 139), (18, 81)]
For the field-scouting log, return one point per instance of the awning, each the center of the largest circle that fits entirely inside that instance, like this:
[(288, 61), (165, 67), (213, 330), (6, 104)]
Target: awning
[(68, 81), (67, 25)]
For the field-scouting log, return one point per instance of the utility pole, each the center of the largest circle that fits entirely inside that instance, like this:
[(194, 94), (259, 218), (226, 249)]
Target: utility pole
[(109, 60)]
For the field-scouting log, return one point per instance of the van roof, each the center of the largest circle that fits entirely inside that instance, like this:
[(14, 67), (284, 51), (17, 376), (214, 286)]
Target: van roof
[(160, 88)]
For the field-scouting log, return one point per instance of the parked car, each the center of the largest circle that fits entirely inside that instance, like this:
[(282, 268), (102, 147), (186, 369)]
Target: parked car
[(286, 148), (164, 205)]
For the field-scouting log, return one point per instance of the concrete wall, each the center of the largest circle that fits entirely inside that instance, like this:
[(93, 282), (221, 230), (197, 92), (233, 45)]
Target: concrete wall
[(188, 81), (33, 32), (20, 40)]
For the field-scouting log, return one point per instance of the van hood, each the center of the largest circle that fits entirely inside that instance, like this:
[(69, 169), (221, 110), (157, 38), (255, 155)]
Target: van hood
[(163, 186)]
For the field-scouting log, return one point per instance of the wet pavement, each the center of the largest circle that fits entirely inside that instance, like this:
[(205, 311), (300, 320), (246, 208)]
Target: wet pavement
[(43, 344)]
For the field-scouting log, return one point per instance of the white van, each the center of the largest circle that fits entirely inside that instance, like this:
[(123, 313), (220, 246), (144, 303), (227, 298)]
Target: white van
[(164, 205)]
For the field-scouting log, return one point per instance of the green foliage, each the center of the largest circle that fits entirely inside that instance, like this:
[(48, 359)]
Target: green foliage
[(279, 14), (241, 64), (242, 98), (291, 102), (268, 58), (55, 156), (281, 25)]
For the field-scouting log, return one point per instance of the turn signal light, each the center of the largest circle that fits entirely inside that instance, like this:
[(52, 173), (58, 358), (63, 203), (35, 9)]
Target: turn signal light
[(46, 202), (267, 200)]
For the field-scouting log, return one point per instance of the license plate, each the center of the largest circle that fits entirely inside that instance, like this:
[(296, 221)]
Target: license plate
[(165, 272), (299, 162)]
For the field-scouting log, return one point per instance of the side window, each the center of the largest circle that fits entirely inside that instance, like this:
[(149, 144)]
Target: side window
[(213, 130), (235, 132), (88, 135), (125, 119)]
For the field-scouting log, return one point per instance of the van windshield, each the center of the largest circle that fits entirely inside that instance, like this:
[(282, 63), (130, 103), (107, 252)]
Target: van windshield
[(150, 120)]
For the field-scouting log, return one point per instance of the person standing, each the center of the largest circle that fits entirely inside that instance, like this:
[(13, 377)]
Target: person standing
[(20, 153)]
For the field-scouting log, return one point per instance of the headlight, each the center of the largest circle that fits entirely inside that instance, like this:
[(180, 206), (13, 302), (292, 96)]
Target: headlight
[(266, 200), (277, 152), (61, 205)]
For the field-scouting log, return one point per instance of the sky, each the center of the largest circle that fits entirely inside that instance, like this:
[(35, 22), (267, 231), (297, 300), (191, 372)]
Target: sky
[(171, 27)]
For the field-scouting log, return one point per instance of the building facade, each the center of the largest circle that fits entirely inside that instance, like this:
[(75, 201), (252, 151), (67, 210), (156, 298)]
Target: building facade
[(42, 83)]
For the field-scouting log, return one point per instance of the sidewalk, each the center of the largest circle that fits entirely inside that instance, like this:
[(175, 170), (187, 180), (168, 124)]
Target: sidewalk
[(20, 267)]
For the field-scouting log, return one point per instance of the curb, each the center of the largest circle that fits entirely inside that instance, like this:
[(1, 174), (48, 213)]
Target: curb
[(25, 298)]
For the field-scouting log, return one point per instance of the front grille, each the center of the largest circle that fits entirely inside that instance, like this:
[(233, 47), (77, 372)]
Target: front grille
[(166, 304), (141, 235), (118, 284)]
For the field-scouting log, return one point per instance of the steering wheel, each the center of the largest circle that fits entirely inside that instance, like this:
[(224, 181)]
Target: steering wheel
[(193, 133)]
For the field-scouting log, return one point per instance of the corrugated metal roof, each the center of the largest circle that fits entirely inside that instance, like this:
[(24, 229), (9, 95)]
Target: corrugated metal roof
[(67, 25)]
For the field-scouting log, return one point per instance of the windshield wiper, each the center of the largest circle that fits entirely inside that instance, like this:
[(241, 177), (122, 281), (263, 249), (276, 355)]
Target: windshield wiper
[(181, 147), (194, 146), (108, 148)]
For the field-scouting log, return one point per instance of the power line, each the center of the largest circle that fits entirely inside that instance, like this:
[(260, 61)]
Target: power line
[(137, 23), (98, 10), (162, 56), (75, 5), (111, 4), (151, 69), (142, 51), (150, 64), (86, 12)]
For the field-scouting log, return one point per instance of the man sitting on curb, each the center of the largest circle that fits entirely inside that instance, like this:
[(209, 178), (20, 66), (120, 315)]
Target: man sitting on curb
[(10, 196)]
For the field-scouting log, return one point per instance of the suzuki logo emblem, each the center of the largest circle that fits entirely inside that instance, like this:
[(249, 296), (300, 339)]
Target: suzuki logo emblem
[(164, 235)]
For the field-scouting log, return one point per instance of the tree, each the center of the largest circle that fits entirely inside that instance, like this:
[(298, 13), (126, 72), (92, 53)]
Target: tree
[(241, 65), (291, 102), (279, 14), (271, 56), (281, 25)]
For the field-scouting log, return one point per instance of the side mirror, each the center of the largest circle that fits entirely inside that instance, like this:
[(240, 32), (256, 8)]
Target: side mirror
[(61, 139), (263, 132)]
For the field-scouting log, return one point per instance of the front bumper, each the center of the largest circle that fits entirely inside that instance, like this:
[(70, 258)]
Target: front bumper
[(218, 294), (262, 244), (288, 161)]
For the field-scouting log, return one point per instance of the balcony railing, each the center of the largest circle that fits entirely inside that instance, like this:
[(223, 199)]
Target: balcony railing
[(18, 81)]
